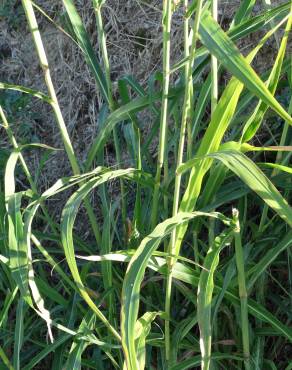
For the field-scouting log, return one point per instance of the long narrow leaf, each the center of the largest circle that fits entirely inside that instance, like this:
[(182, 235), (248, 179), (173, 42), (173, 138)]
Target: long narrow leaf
[(219, 44), (249, 172), (205, 293), (135, 274), (86, 47)]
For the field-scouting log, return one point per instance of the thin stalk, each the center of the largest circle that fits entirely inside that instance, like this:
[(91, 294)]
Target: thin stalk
[(187, 106), (242, 291), (259, 345), (139, 167), (63, 130), (33, 25), (102, 43), (166, 24), (187, 45), (214, 100), (25, 168), (214, 65)]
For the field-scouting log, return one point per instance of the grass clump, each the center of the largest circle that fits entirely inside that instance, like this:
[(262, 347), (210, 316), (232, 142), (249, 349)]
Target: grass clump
[(185, 263)]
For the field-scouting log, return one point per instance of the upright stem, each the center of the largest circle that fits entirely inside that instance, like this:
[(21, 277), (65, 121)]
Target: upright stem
[(214, 100), (102, 43), (166, 24), (33, 25), (214, 65), (242, 291), (27, 5), (187, 106), (187, 45)]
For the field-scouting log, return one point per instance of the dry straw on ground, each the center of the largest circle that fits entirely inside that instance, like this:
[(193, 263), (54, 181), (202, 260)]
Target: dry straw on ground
[(133, 30)]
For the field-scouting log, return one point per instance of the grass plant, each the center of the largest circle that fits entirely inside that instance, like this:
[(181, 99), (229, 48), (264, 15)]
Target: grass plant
[(204, 285)]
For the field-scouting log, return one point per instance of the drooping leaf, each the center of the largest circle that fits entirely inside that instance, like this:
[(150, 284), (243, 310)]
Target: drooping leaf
[(135, 274)]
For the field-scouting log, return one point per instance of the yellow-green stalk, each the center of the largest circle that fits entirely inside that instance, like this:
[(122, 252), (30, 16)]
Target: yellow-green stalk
[(102, 43), (166, 24), (214, 65), (33, 25), (242, 290), (187, 106)]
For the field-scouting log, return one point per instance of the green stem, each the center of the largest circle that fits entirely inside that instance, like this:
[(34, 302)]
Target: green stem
[(242, 291), (259, 346), (63, 130), (214, 100), (214, 65), (186, 55), (102, 43), (33, 25), (187, 105), (166, 22)]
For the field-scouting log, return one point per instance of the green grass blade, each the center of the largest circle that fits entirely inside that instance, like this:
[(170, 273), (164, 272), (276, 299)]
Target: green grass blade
[(26, 90), (18, 260), (267, 18), (47, 350), (205, 293), (163, 130), (7, 304), (195, 361), (142, 329), (255, 272), (86, 47), (253, 124), (244, 11), (277, 167), (18, 334), (78, 347), (211, 140), (19, 246), (5, 359), (239, 257), (115, 117), (134, 277), (190, 276), (220, 45), (68, 218), (249, 173)]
